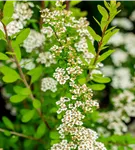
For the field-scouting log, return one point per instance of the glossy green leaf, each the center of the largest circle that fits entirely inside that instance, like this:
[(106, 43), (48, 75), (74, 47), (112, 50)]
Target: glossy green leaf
[(10, 75), (8, 123), (93, 34), (54, 135), (35, 74), (16, 50), (100, 79), (3, 56), (105, 55), (97, 87), (90, 47), (8, 12), (36, 104), (82, 81), (28, 116), (22, 36), (103, 12), (17, 98), (40, 130), (22, 91)]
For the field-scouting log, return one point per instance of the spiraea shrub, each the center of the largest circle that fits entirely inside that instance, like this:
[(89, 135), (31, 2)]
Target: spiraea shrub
[(49, 68)]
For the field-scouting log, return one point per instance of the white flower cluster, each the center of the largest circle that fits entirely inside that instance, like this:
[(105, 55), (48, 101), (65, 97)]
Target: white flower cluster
[(124, 105), (48, 84), (122, 78), (28, 64), (33, 41), (46, 58), (70, 47), (60, 75), (47, 31), (123, 23), (22, 13)]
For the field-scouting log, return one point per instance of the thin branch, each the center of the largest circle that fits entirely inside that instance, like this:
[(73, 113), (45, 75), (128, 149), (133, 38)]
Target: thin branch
[(22, 74), (22, 135), (42, 4), (67, 5)]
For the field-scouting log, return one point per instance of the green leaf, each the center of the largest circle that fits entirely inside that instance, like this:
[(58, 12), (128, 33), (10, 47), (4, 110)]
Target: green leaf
[(54, 135), (97, 21), (16, 50), (10, 75), (3, 56), (28, 116), (35, 74), (7, 133), (108, 36), (8, 12), (40, 130), (17, 98), (103, 12), (22, 36), (105, 55), (22, 91), (82, 81), (100, 79), (8, 123), (2, 35), (36, 104), (97, 87), (73, 3), (93, 34), (90, 47)]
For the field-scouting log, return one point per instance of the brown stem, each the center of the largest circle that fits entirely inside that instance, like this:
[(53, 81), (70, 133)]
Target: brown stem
[(22, 75), (22, 135), (42, 7), (67, 5)]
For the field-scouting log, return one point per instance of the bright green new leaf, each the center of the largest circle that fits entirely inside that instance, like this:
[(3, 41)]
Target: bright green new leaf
[(103, 12), (10, 75), (3, 56), (36, 104), (96, 21), (97, 87), (22, 36), (16, 50), (35, 74), (73, 3), (8, 12), (28, 116), (40, 130), (82, 81), (22, 91), (100, 79), (93, 34), (90, 47), (2, 36), (17, 98), (105, 55), (54, 135), (8, 123)]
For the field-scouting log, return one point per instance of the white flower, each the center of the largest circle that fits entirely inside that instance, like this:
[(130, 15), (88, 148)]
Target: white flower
[(48, 31), (60, 75), (33, 41), (27, 64), (46, 58), (119, 57), (48, 84), (123, 23), (132, 16), (108, 70)]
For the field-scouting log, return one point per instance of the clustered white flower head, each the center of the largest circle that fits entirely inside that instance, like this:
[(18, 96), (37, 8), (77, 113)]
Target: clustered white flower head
[(22, 13), (27, 63), (122, 78), (48, 84), (123, 23), (46, 58), (33, 41), (124, 104), (70, 47)]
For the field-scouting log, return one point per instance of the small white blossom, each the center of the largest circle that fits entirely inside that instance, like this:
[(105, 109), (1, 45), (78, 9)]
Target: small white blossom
[(48, 84)]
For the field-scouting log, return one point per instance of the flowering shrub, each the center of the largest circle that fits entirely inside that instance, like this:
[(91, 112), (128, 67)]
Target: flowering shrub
[(50, 73)]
